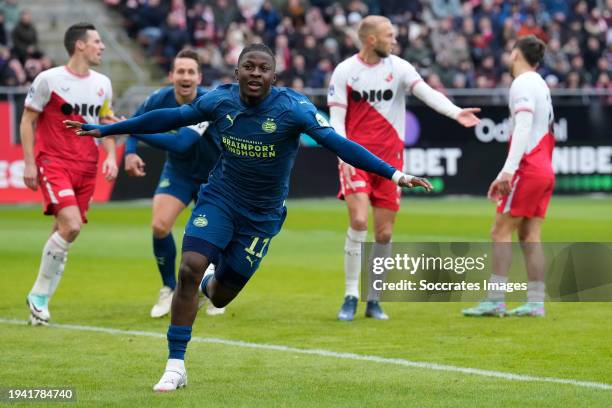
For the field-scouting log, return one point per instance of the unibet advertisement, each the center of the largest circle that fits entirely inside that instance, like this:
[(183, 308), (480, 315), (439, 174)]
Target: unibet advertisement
[(465, 161)]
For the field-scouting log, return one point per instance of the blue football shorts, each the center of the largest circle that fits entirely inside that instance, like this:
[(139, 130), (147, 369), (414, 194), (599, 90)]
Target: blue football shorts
[(233, 239), (178, 184)]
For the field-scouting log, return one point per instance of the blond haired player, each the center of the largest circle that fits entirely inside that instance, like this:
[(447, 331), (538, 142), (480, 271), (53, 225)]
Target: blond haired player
[(367, 101)]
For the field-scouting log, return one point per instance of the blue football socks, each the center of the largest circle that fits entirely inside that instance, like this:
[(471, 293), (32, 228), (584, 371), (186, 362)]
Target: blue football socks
[(164, 250), (178, 337)]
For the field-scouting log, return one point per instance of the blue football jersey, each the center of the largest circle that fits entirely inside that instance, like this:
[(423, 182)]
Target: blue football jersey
[(259, 143), (198, 161)]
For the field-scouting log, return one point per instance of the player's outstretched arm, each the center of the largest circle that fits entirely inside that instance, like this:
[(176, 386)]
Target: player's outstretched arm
[(155, 121), (467, 117), (441, 104), (177, 143), (413, 181), (356, 155)]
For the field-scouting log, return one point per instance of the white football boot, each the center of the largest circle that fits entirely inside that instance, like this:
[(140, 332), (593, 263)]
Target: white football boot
[(174, 377), (39, 309), (164, 301)]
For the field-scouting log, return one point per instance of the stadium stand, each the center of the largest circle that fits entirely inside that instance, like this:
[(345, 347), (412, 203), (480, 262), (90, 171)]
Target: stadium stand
[(455, 44), (20, 56)]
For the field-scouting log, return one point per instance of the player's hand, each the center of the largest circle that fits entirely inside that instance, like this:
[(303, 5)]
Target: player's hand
[(30, 176), (505, 183), (134, 165), (72, 124), (493, 194), (412, 181), (109, 168), (468, 118), (348, 172), (500, 187)]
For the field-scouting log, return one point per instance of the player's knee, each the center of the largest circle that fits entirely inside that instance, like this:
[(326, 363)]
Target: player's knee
[(383, 236), (225, 286), (529, 236), (215, 297), (500, 234), (219, 301), (496, 235), (189, 275), (221, 296), (70, 229), (161, 228), (359, 223)]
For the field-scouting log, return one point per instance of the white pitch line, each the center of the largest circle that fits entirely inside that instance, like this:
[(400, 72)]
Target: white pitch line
[(333, 354)]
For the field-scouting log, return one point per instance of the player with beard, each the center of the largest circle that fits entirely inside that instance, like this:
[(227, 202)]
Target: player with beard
[(370, 88)]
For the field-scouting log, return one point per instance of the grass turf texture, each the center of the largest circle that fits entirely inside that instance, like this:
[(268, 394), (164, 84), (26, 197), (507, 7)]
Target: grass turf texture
[(111, 281)]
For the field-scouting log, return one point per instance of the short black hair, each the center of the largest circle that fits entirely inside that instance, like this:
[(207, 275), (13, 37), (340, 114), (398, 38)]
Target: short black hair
[(75, 33), (187, 53), (256, 47), (532, 49)]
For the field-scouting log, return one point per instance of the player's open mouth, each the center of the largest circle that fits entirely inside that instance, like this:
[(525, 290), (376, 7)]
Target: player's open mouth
[(254, 85)]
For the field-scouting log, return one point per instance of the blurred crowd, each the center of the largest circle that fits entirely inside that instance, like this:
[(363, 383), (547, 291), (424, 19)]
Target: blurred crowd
[(453, 43), (20, 58)]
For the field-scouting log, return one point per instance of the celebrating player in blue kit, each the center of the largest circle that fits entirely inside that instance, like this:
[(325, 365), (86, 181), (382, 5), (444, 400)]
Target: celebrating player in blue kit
[(186, 168), (242, 207)]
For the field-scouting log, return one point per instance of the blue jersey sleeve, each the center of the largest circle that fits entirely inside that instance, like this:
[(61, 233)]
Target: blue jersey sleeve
[(155, 121), (131, 143), (178, 142), (130, 146), (163, 120), (316, 126), (203, 107)]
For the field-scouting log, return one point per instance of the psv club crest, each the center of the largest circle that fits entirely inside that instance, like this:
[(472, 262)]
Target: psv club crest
[(269, 126)]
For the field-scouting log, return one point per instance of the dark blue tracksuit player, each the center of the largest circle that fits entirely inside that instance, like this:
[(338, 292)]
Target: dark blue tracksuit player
[(242, 207), (187, 167)]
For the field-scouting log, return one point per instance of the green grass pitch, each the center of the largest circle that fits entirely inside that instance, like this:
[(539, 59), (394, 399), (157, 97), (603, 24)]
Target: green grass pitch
[(111, 282)]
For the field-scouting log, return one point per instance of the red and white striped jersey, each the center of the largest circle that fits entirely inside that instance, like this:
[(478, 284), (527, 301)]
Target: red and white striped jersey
[(375, 100), (530, 93), (59, 94)]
